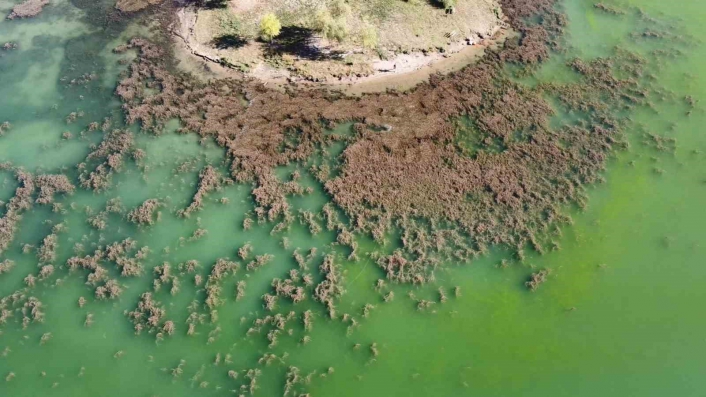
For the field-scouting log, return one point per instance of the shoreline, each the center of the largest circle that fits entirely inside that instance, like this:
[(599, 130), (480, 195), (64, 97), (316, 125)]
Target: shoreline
[(402, 73)]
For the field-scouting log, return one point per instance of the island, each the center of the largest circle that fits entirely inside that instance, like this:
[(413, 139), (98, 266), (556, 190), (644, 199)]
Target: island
[(338, 42)]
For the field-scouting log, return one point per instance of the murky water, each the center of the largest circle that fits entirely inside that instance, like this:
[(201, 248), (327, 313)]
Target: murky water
[(621, 314)]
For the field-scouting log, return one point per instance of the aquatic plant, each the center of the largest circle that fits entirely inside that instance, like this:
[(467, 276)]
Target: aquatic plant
[(610, 9), (47, 250), (219, 270), (146, 213), (190, 266), (537, 279), (105, 159), (209, 180), (32, 311), (6, 266), (389, 296), (308, 320), (89, 320), (309, 219), (127, 257), (197, 234), (45, 338), (6, 126), (331, 288), (45, 272), (19, 203), (110, 290), (424, 304), (258, 262), (148, 314), (442, 295), (168, 327), (374, 350)]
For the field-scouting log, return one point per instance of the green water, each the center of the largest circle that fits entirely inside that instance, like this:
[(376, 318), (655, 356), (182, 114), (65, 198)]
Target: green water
[(621, 314)]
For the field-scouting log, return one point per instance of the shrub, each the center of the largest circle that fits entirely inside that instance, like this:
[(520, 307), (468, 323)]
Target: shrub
[(340, 9), (369, 36), (270, 27), (330, 27)]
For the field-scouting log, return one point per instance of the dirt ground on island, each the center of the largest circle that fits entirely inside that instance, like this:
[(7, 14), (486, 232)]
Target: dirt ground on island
[(427, 37)]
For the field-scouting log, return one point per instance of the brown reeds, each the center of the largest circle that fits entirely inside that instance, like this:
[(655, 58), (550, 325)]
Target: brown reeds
[(108, 157), (537, 279), (331, 288), (27, 9), (146, 214), (209, 180)]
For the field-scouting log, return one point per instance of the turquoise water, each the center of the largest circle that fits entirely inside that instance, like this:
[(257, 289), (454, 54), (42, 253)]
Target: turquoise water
[(620, 314)]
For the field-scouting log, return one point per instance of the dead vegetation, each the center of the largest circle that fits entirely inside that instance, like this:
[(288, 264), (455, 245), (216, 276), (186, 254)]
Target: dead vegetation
[(108, 157), (27, 9), (209, 180), (48, 186), (146, 214)]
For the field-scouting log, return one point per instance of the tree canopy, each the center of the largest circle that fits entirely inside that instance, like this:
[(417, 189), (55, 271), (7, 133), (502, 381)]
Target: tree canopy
[(270, 27)]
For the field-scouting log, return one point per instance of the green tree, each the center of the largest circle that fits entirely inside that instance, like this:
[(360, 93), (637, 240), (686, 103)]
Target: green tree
[(270, 27)]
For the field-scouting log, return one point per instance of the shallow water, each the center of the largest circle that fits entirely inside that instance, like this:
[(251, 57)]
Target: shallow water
[(620, 314)]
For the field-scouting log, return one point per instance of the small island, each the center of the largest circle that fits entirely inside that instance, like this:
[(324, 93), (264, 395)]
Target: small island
[(336, 42)]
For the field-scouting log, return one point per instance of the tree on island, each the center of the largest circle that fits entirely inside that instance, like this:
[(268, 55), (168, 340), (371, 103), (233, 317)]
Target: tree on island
[(270, 27)]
